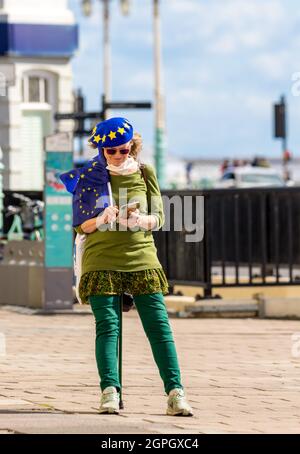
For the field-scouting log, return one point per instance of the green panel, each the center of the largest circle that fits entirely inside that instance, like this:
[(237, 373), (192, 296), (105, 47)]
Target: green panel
[(160, 157), (58, 219)]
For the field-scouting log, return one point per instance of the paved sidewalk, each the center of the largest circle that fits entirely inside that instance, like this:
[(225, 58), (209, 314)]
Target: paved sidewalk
[(240, 377)]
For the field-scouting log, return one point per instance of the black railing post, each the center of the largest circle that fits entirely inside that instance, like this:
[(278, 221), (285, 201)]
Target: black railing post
[(207, 248)]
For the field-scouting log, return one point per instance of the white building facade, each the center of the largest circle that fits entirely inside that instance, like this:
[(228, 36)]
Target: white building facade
[(37, 42)]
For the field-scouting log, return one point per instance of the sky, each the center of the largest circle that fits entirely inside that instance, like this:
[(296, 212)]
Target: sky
[(225, 62)]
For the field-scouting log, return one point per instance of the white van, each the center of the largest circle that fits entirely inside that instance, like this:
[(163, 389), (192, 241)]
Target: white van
[(249, 176)]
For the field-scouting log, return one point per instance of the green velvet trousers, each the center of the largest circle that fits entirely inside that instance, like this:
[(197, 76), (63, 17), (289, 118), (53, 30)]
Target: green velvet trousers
[(154, 317)]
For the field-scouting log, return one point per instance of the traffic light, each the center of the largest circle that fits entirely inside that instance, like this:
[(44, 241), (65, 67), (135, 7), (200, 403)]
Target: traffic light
[(280, 122)]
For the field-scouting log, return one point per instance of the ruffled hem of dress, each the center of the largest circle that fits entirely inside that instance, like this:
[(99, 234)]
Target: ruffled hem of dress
[(116, 282)]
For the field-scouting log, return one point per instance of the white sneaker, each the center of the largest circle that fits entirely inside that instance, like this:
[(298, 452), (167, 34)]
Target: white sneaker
[(110, 401), (177, 404)]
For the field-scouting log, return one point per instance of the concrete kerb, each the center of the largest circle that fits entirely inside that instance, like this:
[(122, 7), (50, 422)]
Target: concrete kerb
[(280, 308), (188, 307), (30, 311)]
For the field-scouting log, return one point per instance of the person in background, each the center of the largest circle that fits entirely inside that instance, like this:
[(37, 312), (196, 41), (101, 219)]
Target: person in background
[(245, 162), (224, 166)]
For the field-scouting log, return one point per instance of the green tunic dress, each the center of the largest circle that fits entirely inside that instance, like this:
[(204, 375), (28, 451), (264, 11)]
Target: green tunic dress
[(116, 260)]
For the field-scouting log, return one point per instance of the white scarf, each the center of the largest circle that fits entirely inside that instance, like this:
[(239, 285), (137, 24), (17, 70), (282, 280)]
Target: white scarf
[(129, 166)]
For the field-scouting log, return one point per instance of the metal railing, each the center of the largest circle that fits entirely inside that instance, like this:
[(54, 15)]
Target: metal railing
[(251, 238)]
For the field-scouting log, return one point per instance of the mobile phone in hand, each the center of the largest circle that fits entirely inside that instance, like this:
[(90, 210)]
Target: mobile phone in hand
[(126, 210)]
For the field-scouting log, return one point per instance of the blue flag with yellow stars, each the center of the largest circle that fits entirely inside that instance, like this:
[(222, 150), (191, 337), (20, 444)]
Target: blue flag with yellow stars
[(89, 188)]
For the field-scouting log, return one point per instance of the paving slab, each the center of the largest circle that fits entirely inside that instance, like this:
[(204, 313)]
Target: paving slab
[(240, 376)]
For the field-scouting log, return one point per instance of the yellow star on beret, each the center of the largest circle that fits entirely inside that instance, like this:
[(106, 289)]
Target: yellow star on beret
[(121, 131), (97, 138), (112, 135), (103, 138)]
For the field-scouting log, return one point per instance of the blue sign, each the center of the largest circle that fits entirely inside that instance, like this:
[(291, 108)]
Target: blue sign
[(38, 39)]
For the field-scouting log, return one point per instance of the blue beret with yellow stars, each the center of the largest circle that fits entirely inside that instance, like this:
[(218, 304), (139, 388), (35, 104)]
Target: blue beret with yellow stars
[(111, 133), (89, 188)]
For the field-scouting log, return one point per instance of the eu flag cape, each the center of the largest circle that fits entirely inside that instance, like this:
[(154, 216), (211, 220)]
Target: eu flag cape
[(89, 187)]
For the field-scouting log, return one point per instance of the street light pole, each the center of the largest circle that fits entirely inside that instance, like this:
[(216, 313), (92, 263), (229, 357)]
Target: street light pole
[(1, 193), (106, 55), (160, 145), (80, 115), (106, 64)]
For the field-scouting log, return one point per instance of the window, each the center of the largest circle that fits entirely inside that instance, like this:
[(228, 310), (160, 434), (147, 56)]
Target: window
[(2, 84), (228, 176), (272, 180), (36, 124), (35, 89)]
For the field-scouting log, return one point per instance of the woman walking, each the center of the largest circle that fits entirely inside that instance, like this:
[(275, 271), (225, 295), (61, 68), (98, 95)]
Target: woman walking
[(120, 256)]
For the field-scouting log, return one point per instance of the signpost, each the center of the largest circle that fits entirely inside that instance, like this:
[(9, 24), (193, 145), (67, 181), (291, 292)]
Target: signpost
[(58, 259), (81, 116)]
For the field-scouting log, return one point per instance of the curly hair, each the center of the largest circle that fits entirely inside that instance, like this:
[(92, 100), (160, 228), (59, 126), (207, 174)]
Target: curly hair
[(137, 145), (92, 145)]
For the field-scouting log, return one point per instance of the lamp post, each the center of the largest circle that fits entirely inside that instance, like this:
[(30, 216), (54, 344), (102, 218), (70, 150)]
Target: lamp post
[(87, 11), (106, 55), (160, 144), (159, 141)]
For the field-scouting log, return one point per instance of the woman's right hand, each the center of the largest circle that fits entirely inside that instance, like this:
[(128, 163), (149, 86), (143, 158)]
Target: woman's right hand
[(109, 215)]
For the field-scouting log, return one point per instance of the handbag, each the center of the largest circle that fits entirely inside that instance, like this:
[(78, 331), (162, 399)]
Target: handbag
[(77, 261), (128, 302)]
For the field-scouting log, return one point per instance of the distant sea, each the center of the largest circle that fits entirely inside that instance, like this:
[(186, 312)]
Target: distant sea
[(204, 169)]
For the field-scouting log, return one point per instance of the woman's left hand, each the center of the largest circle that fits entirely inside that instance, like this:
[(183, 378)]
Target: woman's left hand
[(132, 221), (144, 221)]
